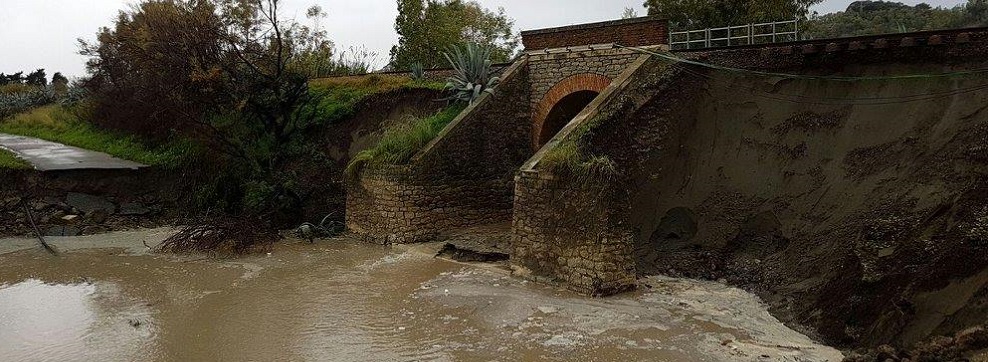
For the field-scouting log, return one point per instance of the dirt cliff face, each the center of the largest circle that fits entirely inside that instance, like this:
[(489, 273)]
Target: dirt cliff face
[(857, 209)]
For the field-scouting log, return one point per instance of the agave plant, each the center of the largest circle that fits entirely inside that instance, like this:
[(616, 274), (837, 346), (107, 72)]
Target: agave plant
[(13, 103), (472, 74), (418, 71)]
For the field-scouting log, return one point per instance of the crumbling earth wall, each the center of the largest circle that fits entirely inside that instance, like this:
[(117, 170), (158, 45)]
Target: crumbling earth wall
[(856, 209)]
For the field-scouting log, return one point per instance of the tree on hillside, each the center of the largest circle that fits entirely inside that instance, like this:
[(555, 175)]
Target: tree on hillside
[(16, 78), (60, 83), (37, 78), (427, 28), (698, 14), (881, 17), (158, 66), (228, 73)]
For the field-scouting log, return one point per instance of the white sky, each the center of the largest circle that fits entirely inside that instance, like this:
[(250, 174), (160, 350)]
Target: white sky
[(42, 33)]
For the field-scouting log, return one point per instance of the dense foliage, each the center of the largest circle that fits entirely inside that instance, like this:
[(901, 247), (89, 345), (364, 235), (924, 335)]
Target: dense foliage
[(36, 78), (860, 18), (700, 14), (230, 74), (24, 99), (880, 17), (426, 28)]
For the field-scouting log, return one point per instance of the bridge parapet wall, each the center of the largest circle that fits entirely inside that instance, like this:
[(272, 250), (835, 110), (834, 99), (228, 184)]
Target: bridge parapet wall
[(641, 31), (463, 178), (547, 70)]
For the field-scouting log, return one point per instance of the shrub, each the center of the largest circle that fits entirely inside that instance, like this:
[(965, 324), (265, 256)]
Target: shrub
[(21, 101), (571, 158), (418, 72), (472, 75)]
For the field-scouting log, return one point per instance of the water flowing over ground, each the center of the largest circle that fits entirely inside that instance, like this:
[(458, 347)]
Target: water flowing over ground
[(341, 300)]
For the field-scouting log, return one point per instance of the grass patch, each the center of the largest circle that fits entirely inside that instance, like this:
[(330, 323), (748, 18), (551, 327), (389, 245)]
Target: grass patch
[(59, 124), (399, 144), (18, 88), (338, 96), (9, 161), (570, 158)]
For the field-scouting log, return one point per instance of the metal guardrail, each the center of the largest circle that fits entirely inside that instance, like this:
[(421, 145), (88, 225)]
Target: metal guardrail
[(764, 33)]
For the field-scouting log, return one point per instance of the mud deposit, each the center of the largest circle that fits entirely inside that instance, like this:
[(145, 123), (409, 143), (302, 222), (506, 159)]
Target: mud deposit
[(339, 300)]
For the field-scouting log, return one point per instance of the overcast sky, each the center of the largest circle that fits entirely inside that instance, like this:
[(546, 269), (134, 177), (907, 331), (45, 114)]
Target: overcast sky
[(42, 33)]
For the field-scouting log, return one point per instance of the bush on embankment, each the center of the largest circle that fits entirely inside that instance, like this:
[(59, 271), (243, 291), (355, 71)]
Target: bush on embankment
[(400, 143), (571, 158)]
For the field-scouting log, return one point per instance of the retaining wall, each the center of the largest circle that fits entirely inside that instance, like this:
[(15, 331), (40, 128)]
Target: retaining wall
[(463, 178)]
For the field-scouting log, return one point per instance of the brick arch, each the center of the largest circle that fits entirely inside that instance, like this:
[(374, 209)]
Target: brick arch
[(573, 84)]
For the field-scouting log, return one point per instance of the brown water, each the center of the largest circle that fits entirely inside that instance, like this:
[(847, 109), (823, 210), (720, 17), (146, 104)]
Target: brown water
[(344, 301)]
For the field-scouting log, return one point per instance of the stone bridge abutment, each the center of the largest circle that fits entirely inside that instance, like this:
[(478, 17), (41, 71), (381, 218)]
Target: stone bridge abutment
[(465, 177)]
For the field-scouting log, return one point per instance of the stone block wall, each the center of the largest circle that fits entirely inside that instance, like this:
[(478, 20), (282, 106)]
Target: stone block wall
[(463, 178), (393, 205), (572, 233), (630, 32), (549, 70)]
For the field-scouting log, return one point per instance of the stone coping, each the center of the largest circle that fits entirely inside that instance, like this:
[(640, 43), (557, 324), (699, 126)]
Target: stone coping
[(597, 25)]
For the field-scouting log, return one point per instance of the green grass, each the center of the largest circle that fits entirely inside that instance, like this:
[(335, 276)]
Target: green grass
[(59, 124), (570, 158), (399, 144), (18, 88), (10, 162), (339, 96)]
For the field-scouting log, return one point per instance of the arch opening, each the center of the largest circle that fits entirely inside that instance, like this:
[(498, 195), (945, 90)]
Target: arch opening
[(563, 112)]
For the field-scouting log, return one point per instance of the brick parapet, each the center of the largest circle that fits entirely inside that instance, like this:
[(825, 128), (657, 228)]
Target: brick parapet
[(632, 32)]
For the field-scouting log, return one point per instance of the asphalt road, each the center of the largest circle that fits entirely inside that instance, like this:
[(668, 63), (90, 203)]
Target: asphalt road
[(51, 156)]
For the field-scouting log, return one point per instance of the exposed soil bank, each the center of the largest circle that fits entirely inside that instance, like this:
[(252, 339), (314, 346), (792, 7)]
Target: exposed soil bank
[(864, 221), (86, 202), (343, 300)]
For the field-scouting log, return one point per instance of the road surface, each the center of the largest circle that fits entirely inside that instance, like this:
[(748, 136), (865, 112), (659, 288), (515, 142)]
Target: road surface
[(50, 156)]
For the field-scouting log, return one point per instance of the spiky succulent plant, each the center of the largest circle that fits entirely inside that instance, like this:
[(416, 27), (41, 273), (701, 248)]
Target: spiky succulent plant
[(472, 74), (418, 71)]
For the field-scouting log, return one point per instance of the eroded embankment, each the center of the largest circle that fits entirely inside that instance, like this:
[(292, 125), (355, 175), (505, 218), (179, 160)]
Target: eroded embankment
[(94, 201), (322, 184), (89, 201), (854, 208)]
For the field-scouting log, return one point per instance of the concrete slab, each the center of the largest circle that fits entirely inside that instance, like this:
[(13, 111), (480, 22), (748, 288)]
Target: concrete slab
[(51, 156)]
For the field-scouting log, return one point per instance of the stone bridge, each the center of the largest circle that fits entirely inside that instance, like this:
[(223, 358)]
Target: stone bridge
[(731, 152), (466, 176)]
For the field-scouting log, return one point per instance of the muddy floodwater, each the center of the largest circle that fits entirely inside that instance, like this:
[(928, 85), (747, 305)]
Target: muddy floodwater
[(339, 300)]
